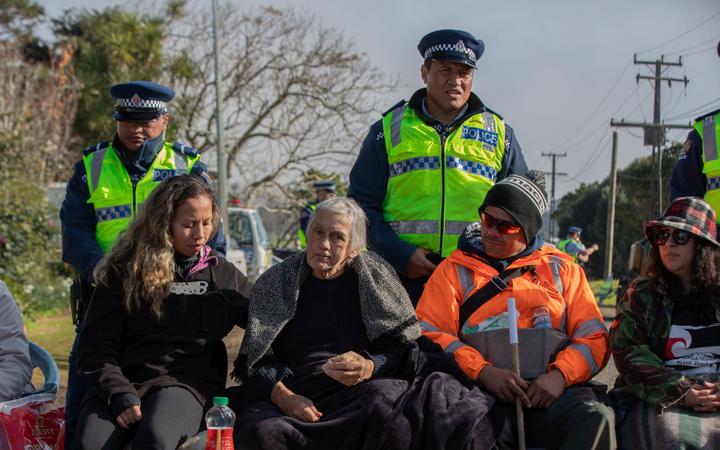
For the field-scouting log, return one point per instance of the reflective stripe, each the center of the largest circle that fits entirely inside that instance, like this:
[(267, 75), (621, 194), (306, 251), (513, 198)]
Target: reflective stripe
[(426, 326), (563, 320), (453, 346), (489, 125), (180, 163), (96, 167), (712, 183), (419, 163), (555, 264), (587, 354), (465, 276), (473, 167), (415, 226), (455, 227), (396, 125), (589, 327), (709, 141), (113, 212)]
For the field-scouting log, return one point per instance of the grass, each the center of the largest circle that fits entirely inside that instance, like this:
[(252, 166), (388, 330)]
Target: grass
[(55, 333)]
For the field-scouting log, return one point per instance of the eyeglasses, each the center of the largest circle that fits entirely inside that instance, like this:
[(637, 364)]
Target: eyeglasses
[(503, 226), (680, 237)]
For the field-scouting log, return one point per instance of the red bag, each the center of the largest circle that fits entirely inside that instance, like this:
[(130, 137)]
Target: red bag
[(30, 423)]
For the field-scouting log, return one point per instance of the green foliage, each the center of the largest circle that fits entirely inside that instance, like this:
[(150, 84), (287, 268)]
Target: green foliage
[(586, 207), (112, 46)]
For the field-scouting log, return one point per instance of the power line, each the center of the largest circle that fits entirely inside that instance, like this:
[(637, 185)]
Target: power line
[(712, 39), (693, 111), (693, 28)]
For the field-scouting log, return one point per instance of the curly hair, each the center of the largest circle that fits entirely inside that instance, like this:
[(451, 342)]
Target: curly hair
[(143, 255)]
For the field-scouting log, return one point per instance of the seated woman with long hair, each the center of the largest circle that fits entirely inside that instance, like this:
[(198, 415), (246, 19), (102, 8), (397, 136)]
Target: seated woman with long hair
[(152, 339), (666, 336), (332, 357)]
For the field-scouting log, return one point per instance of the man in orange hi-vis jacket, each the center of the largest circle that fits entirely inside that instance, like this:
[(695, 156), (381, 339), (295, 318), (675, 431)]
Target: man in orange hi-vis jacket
[(562, 337)]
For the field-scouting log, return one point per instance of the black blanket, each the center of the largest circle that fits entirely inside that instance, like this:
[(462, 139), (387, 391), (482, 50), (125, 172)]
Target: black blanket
[(424, 406)]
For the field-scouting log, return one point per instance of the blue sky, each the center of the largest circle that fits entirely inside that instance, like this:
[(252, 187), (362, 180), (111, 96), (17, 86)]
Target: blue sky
[(556, 70)]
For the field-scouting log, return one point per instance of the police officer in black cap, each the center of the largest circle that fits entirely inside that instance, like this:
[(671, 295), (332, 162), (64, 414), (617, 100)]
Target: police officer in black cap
[(425, 164), (107, 188), (324, 189)]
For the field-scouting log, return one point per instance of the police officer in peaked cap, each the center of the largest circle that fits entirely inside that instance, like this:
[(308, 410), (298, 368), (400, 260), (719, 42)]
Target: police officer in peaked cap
[(427, 161), (324, 189), (108, 185)]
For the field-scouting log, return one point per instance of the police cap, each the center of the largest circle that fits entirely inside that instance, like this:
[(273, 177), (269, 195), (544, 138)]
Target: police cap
[(324, 185), (451, 45), (573, 229), (140, 101)]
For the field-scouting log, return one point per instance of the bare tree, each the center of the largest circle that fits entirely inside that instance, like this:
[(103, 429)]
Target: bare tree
[(297, 96)]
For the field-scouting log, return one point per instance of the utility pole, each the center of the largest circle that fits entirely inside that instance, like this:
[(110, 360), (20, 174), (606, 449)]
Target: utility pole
[(654, 133), (220, 127), (553, 174), (610, 227)]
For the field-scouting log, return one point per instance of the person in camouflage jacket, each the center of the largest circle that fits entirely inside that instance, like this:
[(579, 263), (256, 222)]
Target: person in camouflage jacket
[(665, 338)]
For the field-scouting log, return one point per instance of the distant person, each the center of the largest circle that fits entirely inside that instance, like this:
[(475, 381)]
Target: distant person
[(15, 366), (666, 336), (106, 190), (697, 170), (427, 159), (563, 340), (573, 246), (324, 189), (151, 343)]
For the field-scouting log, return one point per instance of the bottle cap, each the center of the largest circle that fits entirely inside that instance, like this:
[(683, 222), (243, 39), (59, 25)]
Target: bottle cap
[(220, 401)]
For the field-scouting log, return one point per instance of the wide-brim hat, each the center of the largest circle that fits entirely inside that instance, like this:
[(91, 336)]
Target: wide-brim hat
[(691, 214)]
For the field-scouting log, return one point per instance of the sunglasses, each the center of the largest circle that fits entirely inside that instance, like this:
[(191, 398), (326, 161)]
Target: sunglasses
[(680, 237), (503, 226)]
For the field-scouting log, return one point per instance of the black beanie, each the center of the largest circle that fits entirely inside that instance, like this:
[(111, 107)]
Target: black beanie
[(523, 197)]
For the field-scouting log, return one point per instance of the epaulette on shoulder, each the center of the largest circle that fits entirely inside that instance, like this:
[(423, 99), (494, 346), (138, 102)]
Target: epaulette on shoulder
[(392, 108), (711, 113), (96, 147), (494, 112), (185, 149)]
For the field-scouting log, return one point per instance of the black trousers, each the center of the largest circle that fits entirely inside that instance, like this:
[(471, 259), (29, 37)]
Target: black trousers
[(169, 416)]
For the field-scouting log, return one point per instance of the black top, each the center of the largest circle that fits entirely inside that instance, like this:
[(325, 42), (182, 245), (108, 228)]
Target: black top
[(128, 356)]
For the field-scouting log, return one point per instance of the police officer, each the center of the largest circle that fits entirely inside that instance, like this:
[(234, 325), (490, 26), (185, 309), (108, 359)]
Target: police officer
[(426, 160), (573, 246), (324, 189), (108, 186)]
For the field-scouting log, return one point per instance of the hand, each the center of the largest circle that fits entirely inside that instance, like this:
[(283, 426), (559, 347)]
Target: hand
[(350, 368), (595, 247), (703, 398), (546, 388), (504, 384), (419, 266), (294, 405), (129, 417)]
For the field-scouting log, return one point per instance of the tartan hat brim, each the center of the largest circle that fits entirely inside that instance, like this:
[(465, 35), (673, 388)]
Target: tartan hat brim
[(681, 224)]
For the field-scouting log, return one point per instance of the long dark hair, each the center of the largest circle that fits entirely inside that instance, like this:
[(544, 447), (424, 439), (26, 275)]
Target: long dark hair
[(704, 277), (143, 254)]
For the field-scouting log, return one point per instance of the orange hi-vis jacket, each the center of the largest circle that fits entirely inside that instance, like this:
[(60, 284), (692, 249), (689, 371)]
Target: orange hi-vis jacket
[(556, 282)]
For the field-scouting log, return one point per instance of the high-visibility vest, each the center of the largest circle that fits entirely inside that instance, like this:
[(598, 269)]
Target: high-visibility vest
[(114, 196), (709, 130), (435, 187), (302, 237), (562, 246)]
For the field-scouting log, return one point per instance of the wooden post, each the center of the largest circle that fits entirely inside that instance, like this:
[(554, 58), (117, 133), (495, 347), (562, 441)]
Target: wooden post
[(515, 352)]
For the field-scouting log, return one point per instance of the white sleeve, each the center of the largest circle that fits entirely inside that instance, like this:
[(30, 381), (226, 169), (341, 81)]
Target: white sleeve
[(15, 365)]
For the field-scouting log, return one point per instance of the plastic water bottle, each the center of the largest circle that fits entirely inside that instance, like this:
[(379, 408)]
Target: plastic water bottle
[(541, 317), (220, 420)]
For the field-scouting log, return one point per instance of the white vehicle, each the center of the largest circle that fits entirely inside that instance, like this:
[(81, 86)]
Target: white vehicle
[(248, 245)]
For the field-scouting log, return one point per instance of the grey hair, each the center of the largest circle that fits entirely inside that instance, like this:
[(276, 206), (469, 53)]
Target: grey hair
[(349, 209)]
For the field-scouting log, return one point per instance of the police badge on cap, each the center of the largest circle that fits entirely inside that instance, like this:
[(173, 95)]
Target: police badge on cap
[(451, 45), (140, 101)]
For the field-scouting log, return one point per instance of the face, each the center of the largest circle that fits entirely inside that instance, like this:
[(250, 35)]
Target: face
[(448, 85), (327, 248), (677, 258), (324, 195), (133, 134), (500, 238), (192, 226)]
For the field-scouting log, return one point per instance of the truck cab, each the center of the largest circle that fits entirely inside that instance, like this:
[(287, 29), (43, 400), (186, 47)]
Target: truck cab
[(248, 246)]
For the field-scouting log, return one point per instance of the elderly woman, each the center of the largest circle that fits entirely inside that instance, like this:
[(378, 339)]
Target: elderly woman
[(331, 357), (666, 336), (152, 339)]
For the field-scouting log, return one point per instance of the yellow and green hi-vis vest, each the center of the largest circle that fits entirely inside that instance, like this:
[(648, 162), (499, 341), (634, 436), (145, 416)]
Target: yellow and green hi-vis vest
[(709, 130), (302, 237), (115, 199), (435, 188)]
